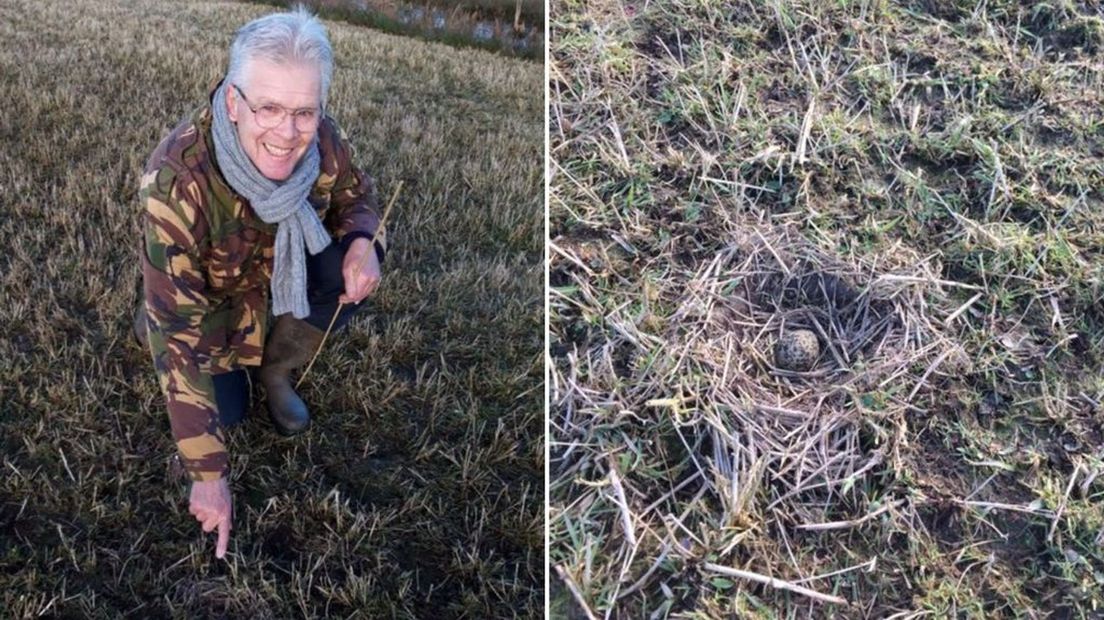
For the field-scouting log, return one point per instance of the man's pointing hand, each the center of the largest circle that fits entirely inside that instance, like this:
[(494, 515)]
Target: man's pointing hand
[(211, 505)]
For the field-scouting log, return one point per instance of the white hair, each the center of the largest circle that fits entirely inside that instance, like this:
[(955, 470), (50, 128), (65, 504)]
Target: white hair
[(282, 38)]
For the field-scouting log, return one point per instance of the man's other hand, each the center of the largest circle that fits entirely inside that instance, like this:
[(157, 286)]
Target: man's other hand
[(362, 282), (211, 505)]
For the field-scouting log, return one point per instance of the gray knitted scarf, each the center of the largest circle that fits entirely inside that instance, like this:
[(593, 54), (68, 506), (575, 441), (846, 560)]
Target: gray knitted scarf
[(282, 203)]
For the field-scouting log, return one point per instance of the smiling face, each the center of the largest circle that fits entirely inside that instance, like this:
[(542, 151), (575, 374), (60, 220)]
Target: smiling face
[(274, 151)]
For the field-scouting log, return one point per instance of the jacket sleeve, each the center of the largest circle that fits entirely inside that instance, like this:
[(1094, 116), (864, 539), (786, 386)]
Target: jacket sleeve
[(177, 304), (354, 211)]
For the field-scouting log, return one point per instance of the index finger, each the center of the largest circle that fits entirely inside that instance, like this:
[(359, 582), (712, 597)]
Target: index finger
[(223, 538)]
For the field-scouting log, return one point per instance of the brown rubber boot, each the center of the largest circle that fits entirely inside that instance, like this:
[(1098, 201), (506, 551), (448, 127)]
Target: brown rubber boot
[(291, 344)]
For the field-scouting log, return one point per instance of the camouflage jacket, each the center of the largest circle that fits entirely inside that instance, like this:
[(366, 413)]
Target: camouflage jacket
[(206, 270)]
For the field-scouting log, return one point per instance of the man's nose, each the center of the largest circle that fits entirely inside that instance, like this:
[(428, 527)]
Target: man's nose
[(286, 127)]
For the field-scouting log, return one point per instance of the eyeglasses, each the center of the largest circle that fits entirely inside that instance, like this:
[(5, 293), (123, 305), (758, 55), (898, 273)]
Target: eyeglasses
[(270, 115)]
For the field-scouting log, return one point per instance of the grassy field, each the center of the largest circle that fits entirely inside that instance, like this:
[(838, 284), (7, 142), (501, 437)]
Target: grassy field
[(418, 491), (920, 184)]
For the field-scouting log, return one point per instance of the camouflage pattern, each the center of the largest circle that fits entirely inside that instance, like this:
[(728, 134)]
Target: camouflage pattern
[(206, 269)]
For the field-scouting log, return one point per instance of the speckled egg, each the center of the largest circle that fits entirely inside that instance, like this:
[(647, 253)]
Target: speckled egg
[(797, 350)]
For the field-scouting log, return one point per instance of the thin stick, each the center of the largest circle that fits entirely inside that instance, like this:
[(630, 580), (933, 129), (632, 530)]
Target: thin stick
[(868, 566), (928, 372), (574, 589), (806, 129), (839, 525), (360, 265), (1061, 505), (889, 277), (329, 327), (647, 575), (776, 583), (961, 309), (1001, 506), (770, 249), (622, 503)]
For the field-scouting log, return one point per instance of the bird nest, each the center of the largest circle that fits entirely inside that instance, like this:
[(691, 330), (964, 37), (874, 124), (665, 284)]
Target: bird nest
[(794, 442), (679, 435)]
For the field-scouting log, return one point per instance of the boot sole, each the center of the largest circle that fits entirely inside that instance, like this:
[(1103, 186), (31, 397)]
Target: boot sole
[(286, 432)]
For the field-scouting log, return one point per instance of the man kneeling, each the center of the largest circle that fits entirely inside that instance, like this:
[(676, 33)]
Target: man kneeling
[(253, 193)]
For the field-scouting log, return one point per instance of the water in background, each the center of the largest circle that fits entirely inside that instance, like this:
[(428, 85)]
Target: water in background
[(513, 35)]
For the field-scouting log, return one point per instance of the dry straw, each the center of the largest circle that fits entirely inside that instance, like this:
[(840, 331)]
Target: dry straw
[(764, 452)]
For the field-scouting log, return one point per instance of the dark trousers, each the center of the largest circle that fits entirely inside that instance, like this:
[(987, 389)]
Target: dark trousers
[(325, 284)]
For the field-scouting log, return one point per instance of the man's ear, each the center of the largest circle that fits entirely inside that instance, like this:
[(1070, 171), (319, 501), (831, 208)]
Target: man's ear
[(232, 103)]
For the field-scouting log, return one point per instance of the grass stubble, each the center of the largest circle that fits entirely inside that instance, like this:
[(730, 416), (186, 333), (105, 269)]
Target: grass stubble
[(418, 491), (920, 184)]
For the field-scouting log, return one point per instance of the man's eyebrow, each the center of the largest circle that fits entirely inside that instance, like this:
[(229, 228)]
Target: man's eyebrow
[(263, 101)]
